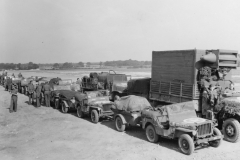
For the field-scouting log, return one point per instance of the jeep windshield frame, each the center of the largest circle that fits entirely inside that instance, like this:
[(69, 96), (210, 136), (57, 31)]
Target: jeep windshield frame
[(179, 112)]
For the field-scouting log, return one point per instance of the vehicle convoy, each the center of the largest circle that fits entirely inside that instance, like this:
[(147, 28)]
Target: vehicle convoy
[(127, 111), (115, 83), (95, 104), (201, 76), (179, 121)]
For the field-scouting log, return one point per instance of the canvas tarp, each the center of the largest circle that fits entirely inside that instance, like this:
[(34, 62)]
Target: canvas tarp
[(70, 94), (138, 85), (80, 96), (67, 94), (132, 103)]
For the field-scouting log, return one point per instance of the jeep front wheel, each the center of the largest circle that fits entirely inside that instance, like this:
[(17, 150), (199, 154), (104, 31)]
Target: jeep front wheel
[(56, 103), (216, 143), (94, 116), (64, 108), (119, 124), (80, 112), (231, 130), (151, 134), (185, 143)]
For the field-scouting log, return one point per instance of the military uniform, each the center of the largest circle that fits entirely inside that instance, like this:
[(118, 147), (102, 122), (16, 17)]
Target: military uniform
[(47, 91), (30, 93), (38, 94), (8, 84), (13, 105)]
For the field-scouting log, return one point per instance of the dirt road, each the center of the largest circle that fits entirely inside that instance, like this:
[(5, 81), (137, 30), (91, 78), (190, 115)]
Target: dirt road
[(45, 133)]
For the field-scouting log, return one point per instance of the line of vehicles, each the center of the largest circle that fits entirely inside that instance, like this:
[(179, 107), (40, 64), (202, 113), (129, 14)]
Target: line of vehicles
[(189, 97)]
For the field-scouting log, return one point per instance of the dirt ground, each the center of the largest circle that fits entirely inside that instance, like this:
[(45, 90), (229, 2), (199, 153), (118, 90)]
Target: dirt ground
[(45, 133)]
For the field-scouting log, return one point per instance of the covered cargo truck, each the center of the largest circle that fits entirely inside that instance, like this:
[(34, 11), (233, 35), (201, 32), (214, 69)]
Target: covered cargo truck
[(201, 76)]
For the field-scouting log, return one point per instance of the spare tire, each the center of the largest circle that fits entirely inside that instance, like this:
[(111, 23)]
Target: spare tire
[(231, 130)]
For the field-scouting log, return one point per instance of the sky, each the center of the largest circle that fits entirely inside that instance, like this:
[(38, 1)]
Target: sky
[(49, 31)]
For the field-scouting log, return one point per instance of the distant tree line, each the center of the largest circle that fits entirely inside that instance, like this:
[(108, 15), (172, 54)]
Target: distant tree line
[(67, 65), (19, 66), (133, 63)]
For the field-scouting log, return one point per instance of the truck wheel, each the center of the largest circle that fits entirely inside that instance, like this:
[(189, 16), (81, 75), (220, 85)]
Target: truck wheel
[(216, 143), (64, 108), (185, 143), (231, 130), (94, 116), (119, 124), (80, 112), (151, 134), (56, 104)]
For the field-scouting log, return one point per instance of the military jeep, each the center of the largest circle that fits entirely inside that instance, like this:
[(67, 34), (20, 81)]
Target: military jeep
[(179, 121), (96, 104)]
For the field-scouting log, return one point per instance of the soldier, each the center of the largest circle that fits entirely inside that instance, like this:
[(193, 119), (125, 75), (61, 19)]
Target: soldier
[(13, 105), (38, 94), (20, 75), (8, 84), (30, 92), (47, 91)]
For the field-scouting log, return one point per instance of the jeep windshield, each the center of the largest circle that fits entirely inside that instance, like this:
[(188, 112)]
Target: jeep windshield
[(180, 111), (96, 94)]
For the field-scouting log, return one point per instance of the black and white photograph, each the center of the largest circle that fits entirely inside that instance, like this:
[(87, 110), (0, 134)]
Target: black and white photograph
[(119, 80)]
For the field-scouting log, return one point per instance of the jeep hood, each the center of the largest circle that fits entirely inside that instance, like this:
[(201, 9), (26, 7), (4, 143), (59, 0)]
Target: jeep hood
[(190, 123), (99, 100)]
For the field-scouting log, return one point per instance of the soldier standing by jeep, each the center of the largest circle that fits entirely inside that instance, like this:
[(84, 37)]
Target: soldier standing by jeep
[(13, 104), (47, 91), (30, 92), (38, 94)]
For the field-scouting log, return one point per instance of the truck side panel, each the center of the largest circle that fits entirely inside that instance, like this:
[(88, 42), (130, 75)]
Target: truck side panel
[(169, 66)]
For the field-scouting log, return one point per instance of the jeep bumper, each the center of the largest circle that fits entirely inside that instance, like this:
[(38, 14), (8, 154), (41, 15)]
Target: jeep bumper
[(199, 141)]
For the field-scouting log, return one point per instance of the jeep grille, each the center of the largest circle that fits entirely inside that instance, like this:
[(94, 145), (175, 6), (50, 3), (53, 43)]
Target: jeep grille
[(204, 130), (107, 107)]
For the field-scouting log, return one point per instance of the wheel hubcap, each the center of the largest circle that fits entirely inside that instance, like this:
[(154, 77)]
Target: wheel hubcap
[(151, 134), (93, 116), (230, 130), (185, 144), (119, 123)]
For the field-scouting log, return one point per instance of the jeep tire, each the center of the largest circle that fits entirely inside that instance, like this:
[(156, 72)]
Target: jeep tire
[(56, 103), (216, 143), (119, 124), (231, 130), (186, 145), (80, 113), (64, 108), (94, 116), (151, 134)]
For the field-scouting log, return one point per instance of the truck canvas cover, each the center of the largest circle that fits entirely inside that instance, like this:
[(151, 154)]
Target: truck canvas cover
[(138, 85), (132, 103)]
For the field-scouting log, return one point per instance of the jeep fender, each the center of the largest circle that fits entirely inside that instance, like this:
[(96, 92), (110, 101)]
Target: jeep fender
[(66, 104), (146, 122), (180, 131), (122, 118)]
